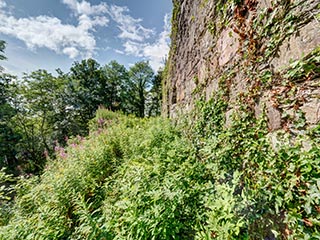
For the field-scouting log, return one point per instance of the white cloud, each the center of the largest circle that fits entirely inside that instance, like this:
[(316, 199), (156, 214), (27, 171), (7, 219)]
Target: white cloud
[(119, 51), (86, 23), (130, 27), (155, 52), (72, 52), (79, 40), (134, 48), (51, 33), (85, 7), (2, 4)]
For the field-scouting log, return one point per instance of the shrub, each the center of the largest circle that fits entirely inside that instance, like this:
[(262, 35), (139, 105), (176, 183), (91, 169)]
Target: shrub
[(150, 179)]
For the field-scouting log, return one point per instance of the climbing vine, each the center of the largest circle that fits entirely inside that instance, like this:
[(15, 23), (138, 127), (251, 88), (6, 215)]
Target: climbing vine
[(269, 181), (260, 189)]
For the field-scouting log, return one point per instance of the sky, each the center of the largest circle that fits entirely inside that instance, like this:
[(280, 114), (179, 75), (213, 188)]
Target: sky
[(51, 34)]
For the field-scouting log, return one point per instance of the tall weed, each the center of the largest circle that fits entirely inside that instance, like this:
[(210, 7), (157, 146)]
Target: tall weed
[(150, 179)]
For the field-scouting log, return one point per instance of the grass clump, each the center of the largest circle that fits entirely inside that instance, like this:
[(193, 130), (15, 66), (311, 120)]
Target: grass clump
[(130, 179), (150, 179)]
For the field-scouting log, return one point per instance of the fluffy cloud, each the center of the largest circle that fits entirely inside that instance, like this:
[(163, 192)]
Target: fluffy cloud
[(51, 33), (85, 8), (155, 52), (79, 40), (130, 28), (71, 51), (119, 51), (2, 4), (134, 48)]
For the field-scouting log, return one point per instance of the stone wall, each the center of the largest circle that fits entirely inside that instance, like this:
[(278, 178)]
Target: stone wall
[(265, 54)]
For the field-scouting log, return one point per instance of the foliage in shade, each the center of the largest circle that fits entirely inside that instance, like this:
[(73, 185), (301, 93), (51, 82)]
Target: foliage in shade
[(138, 178), (8, 137), (2, 47), (141, 75), (41, 111)]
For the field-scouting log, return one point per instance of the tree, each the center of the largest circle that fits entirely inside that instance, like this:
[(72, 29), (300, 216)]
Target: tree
[(140, 75), (5, 78), (65, 121), (88, 89), (8, 138), (2, 47), (36, 102), (116, 93), (155, 95)]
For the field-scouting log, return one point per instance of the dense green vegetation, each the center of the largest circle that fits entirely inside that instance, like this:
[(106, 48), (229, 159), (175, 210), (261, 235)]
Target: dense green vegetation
[(153, 179), (111, 173), (41, 111)]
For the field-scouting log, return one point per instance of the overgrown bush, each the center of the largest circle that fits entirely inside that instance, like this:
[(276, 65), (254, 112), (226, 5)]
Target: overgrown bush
[(150, 179)]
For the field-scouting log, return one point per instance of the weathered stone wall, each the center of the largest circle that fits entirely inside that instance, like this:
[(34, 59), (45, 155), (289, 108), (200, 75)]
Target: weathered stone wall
[(265, 54)]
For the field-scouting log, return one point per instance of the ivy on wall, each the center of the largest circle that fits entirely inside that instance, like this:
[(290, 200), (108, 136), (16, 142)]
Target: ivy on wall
[(265, 185)]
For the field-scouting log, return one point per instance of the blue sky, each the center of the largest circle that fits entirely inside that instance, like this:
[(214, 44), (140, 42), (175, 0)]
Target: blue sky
[(51, 34)]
